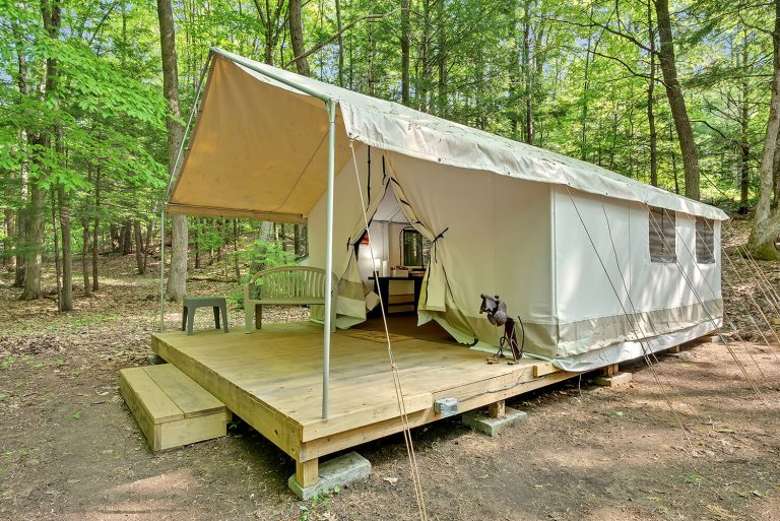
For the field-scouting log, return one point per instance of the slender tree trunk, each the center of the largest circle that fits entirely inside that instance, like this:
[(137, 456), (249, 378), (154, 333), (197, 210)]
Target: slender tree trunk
[(66, 303), (744, 136), (85, 255), (139, 247), (405, 45), (443, 93), (95, 233), (673, 157), (296, 35), (21, 232), (236, 265), (340, 43), (423, 96), (21, 241), (528, 127), (676, 99), (766, 223), (10, 232), (586, 93), (56, 251), (653, 137), (177, 276), (147, 243)]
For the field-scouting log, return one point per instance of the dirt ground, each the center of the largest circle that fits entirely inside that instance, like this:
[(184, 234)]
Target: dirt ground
[(69, 448)]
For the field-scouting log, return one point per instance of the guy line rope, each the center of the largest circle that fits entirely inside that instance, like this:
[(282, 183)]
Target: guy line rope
[(414, 472)]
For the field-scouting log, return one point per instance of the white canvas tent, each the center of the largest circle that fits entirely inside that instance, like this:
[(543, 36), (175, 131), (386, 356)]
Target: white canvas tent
[(563, 242)]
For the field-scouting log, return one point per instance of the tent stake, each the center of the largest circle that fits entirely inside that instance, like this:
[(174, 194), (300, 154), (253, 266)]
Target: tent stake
[(328, 257)]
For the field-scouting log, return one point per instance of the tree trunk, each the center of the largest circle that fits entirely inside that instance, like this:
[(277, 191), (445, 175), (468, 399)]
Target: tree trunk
[(50, 14), (766, 222), (677, 106), (147, 243), (10, 231), (56, 251), (443, 93), (651, 100), (177, 277), (21, 242), (340, 43), (296, 35), (528, 126), (21, 232), (85, 255), (33, 244), (95, 233), (405, 44), (139, 247), (125, 238), (236, 265), (66, 304), (423, 98)]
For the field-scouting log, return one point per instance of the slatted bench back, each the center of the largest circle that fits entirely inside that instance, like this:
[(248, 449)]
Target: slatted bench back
[(290, 285)]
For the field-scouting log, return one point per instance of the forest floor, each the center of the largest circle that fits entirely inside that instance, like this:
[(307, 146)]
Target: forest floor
[(69, 448)]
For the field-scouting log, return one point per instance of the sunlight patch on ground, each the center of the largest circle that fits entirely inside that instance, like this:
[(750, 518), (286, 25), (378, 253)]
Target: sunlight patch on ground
[(180, 480)]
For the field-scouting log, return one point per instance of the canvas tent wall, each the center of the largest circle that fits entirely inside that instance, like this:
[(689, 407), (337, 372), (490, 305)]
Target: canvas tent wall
[(499, 212)]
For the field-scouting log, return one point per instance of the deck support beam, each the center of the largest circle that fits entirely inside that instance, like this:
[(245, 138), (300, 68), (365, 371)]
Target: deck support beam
[(497, 409), (307, 473)]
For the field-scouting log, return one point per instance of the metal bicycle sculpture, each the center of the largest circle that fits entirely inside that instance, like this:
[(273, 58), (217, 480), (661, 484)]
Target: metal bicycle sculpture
[(497, 315)]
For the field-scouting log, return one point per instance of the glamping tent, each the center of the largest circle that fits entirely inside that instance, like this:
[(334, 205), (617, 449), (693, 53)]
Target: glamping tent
[(590, 261)]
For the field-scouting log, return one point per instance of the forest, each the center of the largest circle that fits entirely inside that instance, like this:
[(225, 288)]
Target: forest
[(681, 95), (98, 99)]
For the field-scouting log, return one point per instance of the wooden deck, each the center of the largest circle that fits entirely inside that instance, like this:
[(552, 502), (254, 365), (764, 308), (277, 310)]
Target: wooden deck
[(272, 379)]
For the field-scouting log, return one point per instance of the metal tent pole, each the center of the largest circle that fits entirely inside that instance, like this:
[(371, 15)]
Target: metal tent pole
[(331, 104), (162, 268)]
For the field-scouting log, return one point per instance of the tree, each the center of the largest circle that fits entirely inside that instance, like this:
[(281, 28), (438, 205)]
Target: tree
[(766, 223), (676, 99), (177, 276), (296, 36)]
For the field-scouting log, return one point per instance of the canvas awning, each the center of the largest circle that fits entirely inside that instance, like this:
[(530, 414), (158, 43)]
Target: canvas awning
[(259, 147)]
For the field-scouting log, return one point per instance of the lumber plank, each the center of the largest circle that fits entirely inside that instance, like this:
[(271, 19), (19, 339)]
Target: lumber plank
[(147, 395), (192, 399), (272, 379)]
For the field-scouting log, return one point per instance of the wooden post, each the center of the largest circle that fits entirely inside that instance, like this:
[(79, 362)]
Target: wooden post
[(497, 409), (611, 370), (307, 472)]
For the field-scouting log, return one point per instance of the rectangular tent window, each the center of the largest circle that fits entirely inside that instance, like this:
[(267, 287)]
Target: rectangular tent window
[(415, 249), (705, 241), (663, 243)]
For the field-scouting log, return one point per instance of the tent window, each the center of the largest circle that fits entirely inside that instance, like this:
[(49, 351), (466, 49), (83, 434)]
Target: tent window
[(663, 244), (705, 241), (415, 249)]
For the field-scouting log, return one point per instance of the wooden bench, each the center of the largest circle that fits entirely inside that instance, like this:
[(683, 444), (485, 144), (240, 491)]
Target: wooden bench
[(170, 408), (285, 285)]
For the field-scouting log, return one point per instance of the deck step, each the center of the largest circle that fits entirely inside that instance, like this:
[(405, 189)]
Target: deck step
[(170, 408)]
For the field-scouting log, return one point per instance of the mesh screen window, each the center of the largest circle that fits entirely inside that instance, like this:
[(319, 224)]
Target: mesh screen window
[(705, 241), (663, 238)]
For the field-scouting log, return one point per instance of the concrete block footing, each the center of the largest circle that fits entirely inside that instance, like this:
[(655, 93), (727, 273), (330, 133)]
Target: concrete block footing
[(333, 474), (616, 380), (483, 423)]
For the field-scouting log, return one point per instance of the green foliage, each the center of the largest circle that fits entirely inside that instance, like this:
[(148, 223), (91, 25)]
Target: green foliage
[(577, 70)]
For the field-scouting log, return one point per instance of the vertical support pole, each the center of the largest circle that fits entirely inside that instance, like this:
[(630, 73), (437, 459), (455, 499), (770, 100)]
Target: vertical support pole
[(326, 330), (162, 268)]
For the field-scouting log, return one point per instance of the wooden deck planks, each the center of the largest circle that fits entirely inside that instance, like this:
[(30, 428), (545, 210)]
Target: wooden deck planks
[(272, 378), (170, 408)]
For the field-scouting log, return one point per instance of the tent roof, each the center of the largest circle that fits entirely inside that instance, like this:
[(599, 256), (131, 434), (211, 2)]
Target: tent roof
[(259, 147)]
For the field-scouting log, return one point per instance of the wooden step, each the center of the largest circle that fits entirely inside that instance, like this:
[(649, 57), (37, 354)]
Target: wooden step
[(170, 408)]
